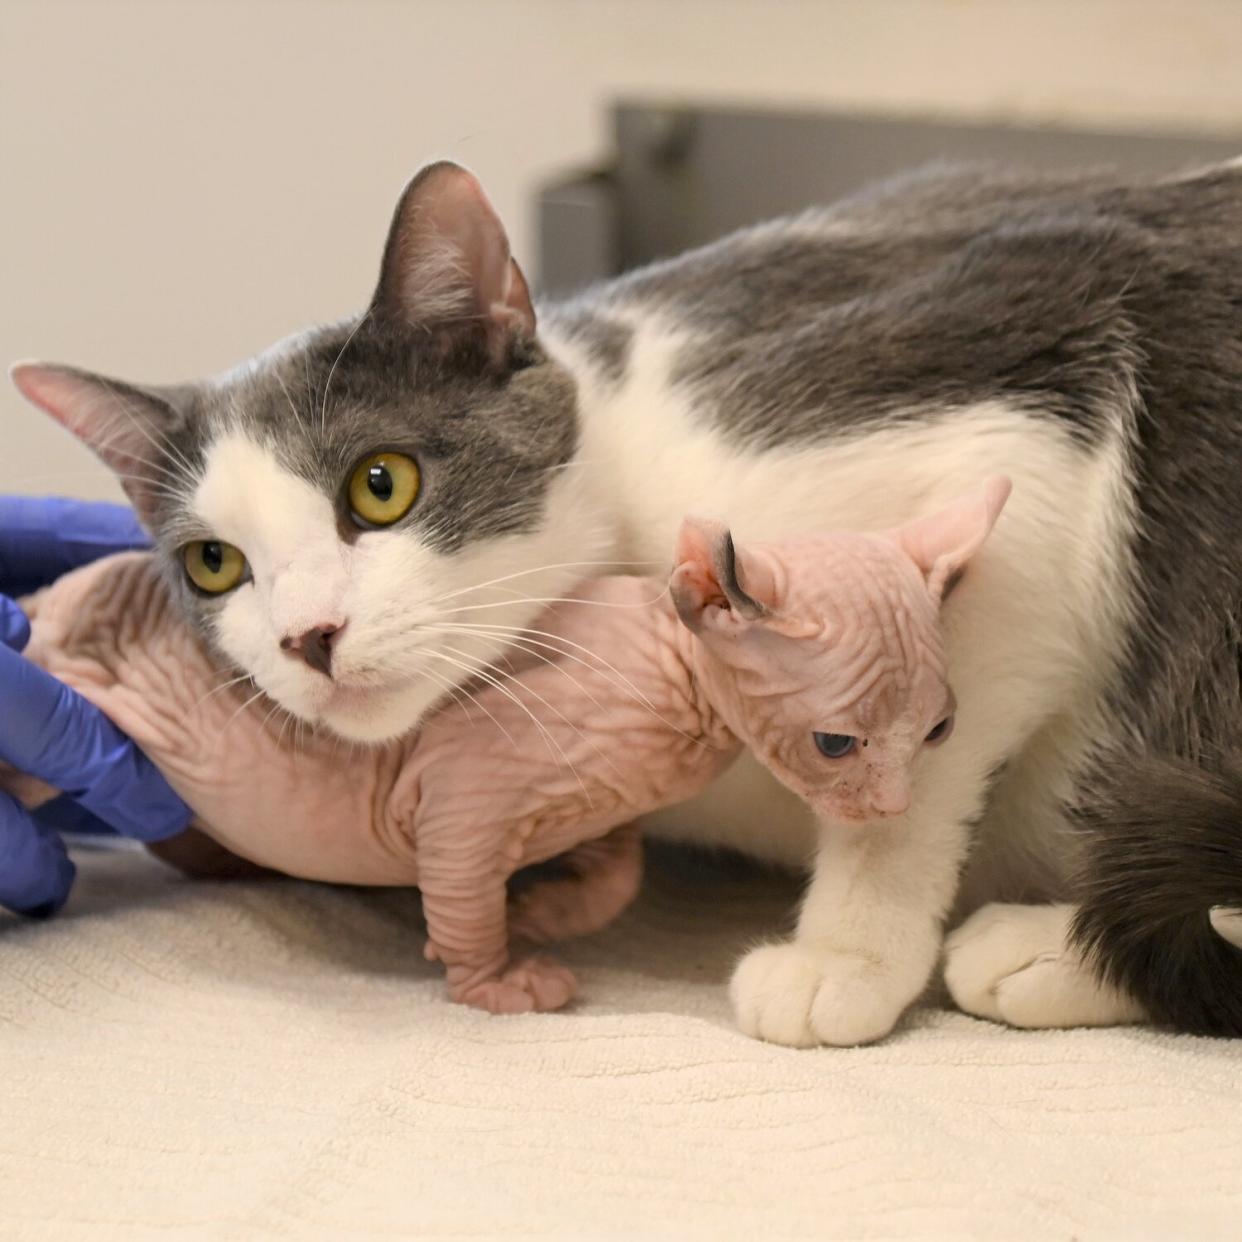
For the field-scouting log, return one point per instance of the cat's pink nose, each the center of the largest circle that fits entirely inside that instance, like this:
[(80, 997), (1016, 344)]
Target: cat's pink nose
[(314, 646)]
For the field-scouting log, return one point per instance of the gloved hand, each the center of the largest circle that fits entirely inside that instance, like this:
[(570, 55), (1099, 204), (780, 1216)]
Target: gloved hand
[(48, 730)]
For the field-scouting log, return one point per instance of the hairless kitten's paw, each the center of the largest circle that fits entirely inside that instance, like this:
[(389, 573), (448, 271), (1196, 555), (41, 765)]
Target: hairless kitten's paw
[(533, 985), (791, 994), (1015, 964)]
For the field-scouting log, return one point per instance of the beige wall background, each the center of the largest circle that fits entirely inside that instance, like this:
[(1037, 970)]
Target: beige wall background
[(184, 181)]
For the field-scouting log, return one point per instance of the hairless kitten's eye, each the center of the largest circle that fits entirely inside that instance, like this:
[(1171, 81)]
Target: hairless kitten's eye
[(834, 745), (941, 731)]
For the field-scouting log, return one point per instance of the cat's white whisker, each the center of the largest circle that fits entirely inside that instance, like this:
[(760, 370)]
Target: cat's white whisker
[(528, 646), (610, 566), (164, 444), (554, 746), (254, 698), (323, 413), (556, 711), (106, 445), (293, 409), (619, 679), (450, 689), (233, 681), (485, 627), (473, 671), (276, 707), (280, 737), (563, 599), (473, 698)]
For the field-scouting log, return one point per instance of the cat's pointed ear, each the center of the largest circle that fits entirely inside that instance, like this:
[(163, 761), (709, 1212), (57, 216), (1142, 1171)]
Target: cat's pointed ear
[(129, 429), (716, 585), (447, 266), (942, 544)]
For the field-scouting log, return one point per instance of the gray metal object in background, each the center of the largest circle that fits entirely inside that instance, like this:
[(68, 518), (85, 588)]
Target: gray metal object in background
[(578, 232), (681, 176)]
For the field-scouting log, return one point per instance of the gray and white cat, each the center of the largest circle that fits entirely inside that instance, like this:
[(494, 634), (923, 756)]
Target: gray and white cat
[(370, 511)]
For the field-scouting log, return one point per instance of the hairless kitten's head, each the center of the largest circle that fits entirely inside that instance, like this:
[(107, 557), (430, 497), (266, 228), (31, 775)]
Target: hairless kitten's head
[(826, 653)]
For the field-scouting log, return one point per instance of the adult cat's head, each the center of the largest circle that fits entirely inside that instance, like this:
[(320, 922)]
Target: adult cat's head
[(331, 510)]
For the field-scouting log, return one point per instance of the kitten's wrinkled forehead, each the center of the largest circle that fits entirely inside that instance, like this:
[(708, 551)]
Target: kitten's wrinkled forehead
[(859, 610)]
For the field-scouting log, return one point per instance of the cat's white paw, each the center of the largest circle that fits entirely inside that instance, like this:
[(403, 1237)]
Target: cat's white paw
[(794, 995), (1014, 964), (773, 990)]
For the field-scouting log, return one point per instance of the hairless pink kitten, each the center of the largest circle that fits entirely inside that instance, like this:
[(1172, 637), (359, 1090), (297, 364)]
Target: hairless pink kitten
[(824, 654)]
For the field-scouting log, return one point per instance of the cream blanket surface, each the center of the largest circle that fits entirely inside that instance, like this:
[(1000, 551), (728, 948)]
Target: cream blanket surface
[(244, 1061)]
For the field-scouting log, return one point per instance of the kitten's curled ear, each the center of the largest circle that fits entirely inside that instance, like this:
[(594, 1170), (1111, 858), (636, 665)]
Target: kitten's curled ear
[(447, 267), (942, 544), (713, 584), (129, 428)]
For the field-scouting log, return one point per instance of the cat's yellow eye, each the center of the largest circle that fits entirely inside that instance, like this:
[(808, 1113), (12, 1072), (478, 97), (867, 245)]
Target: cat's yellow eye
[(383, 487), (213, 566)]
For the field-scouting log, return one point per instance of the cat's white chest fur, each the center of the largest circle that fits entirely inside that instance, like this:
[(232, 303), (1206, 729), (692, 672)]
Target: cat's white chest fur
[(1033, 631)]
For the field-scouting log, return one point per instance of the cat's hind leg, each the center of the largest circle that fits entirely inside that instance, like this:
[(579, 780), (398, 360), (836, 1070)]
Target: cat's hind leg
[(600, 879), (1161, 885), (1017, 964)]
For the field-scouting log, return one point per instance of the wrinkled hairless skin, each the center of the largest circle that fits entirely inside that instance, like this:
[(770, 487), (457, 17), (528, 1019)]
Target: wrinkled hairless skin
[(655, 691)]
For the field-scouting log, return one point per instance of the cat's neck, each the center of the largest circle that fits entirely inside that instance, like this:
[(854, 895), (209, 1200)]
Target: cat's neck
[(602, 507)]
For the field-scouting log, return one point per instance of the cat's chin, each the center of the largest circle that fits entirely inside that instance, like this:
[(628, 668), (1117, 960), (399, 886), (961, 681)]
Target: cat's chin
[(373, 715), (363, 714)]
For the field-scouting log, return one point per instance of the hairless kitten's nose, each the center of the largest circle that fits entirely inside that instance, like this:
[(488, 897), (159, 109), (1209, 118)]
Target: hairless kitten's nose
[(314, 646), (886, 803)]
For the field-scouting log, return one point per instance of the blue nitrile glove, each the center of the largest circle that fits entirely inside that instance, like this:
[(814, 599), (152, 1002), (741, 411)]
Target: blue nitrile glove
[(48, 730)]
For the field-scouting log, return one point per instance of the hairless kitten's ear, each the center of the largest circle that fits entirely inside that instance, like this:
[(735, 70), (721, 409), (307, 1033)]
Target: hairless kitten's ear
[(447, 268), (129, 428), (712, 574), (942, 544)]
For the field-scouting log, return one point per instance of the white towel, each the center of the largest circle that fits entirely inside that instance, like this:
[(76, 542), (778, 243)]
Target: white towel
[(253, 1061)]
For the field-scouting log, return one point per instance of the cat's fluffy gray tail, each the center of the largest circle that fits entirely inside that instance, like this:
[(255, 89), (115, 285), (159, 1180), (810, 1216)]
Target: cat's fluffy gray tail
[(1164, 852)]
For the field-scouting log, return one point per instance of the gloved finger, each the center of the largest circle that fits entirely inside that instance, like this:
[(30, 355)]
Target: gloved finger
[(43, 537), (36, 873), (49, 731), (14, 625), (63, 815)]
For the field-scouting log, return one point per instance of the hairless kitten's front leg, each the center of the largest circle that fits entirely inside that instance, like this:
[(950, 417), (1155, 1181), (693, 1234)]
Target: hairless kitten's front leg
[(869, 933), (465, 903)]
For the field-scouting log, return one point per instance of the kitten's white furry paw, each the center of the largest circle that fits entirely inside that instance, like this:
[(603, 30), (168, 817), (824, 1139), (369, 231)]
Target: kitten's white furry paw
[(791, 994), (1014, 964)]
